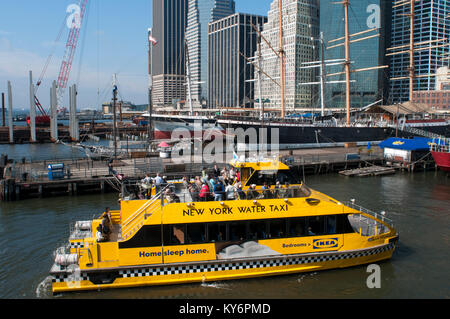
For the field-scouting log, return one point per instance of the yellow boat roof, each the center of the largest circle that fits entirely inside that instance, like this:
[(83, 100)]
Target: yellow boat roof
[(261, 165)]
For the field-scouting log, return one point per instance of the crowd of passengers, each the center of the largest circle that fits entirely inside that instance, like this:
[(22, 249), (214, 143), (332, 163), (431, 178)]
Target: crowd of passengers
[(219, 185)]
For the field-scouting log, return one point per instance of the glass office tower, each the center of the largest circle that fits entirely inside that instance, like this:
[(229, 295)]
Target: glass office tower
[(369, 86), (169, 67), (430, 25), (230, 75), (200, 14)]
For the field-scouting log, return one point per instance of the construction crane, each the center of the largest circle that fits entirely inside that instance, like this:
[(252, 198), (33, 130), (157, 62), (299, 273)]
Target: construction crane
[(75, 21)]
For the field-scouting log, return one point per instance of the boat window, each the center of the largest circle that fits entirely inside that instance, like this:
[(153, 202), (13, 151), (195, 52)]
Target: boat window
[(257, 230), (343, 225), (277, 228), (287, 176), (316, 225), (331, 224), (174, 234), (196, 233), (237, 231), (297, 227), (147, 236), (217, 232), (272, 177)]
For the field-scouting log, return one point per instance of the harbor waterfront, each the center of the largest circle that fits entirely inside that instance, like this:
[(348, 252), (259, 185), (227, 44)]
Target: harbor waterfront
[(417, 203)]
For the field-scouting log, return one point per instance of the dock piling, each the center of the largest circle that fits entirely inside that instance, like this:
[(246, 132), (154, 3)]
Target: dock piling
[(10, 113), (32, 111)]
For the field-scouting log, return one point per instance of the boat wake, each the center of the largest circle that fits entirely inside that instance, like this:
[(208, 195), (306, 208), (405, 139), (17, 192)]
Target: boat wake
[(216, 285), (44, 289)]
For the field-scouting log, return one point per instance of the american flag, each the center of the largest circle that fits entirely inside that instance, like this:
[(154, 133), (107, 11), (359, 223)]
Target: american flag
[(152, 40)]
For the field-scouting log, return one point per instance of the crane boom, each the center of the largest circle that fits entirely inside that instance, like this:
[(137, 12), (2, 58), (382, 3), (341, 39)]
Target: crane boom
[(71, 47)]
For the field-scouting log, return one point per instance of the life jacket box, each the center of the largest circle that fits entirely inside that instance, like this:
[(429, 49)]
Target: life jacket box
[(56, 172)]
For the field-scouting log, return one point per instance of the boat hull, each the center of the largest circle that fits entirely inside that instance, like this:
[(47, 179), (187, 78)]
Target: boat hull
[(297, 136), (167, 130), (442, 160), (220, 270)]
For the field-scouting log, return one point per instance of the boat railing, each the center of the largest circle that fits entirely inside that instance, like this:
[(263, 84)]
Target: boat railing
[(187, 195), (367, 226), (440, 145), (133, 223)]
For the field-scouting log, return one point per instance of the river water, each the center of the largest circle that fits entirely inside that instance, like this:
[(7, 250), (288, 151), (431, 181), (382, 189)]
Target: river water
[(419, 205)]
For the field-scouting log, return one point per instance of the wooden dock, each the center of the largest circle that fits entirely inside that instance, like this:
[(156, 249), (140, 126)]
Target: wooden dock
[(368, 171)]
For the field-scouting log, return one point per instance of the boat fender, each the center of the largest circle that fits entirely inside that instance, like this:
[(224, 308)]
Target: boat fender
[(66, 259), (313, 201)]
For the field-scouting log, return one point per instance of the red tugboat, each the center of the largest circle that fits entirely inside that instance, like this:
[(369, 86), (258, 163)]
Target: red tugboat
[(441, 155)]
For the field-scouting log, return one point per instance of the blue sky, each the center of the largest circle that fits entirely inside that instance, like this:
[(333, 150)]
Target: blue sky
[(114, 40)]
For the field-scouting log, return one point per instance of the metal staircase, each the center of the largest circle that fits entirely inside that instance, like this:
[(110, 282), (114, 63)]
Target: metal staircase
[(420, 132), (133, 223)]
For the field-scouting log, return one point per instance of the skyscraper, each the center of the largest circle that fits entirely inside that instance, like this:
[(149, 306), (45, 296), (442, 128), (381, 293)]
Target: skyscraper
[(369, 86), (229, 72), (169, 67), (200, 14), (430, 27), (300, 20)]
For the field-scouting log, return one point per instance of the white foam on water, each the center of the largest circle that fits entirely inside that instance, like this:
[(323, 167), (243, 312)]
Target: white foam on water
[(216, 285), (44, 289)]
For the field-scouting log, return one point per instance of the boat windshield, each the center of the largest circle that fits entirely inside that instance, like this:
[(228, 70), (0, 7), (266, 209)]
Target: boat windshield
[(259, 178)]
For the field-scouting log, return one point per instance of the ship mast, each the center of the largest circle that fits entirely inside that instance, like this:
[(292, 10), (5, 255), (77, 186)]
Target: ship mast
[(347, 41), (411, 50), (347, 61), (282, 56)]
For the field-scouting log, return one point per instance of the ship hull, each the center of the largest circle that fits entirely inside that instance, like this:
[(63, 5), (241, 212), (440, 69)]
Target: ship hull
[(166, 130), (170, 274), (298, 136), (442, 160)]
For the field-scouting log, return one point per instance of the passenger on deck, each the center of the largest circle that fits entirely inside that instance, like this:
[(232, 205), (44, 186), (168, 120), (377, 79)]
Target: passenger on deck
[(216, 171), (171, 197), (99, 234), (238, 176), (232, 174), (229, 192), (284, 191), (194, 190), (204, 174), (252, 193), (276, 191), (218, 190), (266, 192), (106, 226), (204, 192), (158, 182), (239, 191), (186, 182)]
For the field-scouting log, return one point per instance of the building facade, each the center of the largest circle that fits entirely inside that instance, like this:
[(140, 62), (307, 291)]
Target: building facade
[(300, 27), (168, 60), (230, 75), (437, 100), (369, 86), (430, 25), (200, 14)]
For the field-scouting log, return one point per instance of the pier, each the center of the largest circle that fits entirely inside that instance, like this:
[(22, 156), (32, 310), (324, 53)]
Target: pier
[(26, 180), (22, 134)]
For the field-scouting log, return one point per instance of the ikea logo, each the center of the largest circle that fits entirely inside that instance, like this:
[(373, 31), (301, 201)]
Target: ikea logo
[(398, 143), (325, 243)]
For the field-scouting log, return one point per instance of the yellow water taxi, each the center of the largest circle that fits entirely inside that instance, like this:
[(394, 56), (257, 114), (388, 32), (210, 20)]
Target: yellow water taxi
[(282, 228)]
